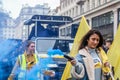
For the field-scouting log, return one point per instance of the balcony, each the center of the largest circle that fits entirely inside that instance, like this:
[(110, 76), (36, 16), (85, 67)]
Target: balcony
[(79, 2)]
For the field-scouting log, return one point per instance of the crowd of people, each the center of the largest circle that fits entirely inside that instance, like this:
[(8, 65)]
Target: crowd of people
[(87, 65)]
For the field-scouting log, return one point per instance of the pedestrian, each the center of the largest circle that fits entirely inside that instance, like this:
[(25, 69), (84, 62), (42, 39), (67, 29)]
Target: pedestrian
[(26, 62), (87, 65), (107, 45)]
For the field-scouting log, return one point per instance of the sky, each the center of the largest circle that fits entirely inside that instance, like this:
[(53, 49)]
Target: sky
[(14, 6)]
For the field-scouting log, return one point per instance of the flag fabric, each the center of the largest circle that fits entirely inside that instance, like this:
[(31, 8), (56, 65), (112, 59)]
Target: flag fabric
[(82, 30), (104, 58), (114, 54)]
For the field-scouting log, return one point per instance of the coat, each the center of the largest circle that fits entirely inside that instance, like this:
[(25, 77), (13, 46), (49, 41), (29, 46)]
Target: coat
[(85, 59)]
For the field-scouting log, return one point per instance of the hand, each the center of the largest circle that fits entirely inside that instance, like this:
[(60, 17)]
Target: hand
[(10, 77), (50, 73), (73, 62), (107, 64)]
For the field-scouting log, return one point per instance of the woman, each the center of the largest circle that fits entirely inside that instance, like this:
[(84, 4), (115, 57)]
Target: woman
[(88, 63), (28, 63)]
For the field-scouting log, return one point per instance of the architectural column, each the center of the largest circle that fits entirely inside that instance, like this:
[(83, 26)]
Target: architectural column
[(115, 21)]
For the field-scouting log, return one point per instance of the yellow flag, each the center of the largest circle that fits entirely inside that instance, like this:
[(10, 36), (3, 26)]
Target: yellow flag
[(114, 54), (104, 58), (82, 30)]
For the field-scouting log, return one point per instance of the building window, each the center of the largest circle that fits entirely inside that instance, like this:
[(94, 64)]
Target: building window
[(68, 2), (88, 5), (65, 2), (25, 10), (62, 32), (105, 1), (93, 3), (73, 12), (118, 15), (103, 19), (69, 12), (68, 31), (81, 9), (76, 11), (98, 3), (62, 5)]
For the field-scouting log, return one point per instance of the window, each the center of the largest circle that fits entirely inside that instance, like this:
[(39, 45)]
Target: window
[(69, 12), (98, 3), (62, 5), (62, 32), (93, 3), (105, 1), (119, 15), (45, 44), (76, 10), (103, 19), (68, 31), (73, 12), (81, 9), (68, 1), (88, 5)]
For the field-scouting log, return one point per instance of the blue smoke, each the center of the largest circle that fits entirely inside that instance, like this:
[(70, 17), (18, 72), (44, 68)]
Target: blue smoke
[(9, 50), (43, 65), (35, 72), (52, 52)]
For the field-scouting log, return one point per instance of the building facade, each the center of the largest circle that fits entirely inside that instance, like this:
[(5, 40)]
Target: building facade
[(27, 11), (25, 14), (103, 15), (8, 32), (7, 24)]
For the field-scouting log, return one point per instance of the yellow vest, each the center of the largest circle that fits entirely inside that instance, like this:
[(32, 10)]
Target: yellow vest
[(22, 61)]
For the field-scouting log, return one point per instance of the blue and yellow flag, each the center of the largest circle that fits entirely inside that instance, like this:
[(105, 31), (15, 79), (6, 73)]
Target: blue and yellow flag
[(114, 54), (82, 30)]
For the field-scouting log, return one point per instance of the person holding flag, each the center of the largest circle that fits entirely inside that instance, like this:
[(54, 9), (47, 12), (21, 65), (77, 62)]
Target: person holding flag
[(89, 63)]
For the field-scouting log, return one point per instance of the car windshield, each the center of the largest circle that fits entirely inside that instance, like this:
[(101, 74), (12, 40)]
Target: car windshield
[(43, 45)]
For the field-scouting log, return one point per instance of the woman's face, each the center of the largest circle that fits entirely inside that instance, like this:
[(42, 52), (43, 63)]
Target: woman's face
[(93, 41), (31, 48)]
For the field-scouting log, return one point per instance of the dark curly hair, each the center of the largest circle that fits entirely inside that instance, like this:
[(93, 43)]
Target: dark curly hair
[(87, 36)]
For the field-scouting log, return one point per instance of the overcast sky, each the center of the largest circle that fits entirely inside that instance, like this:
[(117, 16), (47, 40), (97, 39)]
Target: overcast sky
[(14, 6)]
